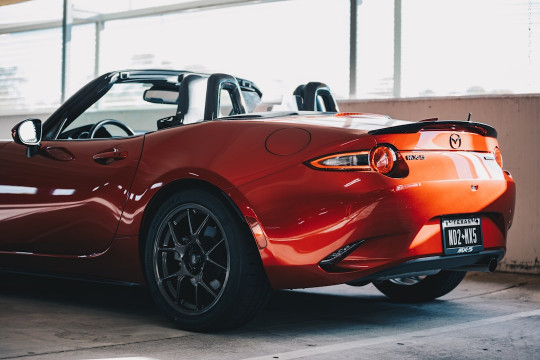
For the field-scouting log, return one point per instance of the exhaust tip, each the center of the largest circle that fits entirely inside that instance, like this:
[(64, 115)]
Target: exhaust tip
[(492, 265)]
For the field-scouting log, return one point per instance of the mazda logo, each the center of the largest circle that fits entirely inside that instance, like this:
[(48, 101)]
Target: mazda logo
[(455, 141)]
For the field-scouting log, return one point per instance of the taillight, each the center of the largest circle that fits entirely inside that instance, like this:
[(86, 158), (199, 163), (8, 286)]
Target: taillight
[(498, 156), (383, 159), (358, 160)]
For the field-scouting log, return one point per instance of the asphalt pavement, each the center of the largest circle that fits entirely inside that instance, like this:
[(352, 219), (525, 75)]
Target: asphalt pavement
[(489, 316)]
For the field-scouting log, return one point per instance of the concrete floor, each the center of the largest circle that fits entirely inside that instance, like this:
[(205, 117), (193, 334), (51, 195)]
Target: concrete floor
[(489, 316)]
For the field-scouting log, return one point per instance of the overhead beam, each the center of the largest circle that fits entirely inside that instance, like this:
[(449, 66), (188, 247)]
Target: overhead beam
[(198, 5)]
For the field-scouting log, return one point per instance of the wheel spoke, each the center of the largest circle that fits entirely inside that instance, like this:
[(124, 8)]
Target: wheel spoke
[(189, 223), (207, 288), (166, 249), (178, 284), (218, 265), (171, 276), (197, 233), (173, 234), (163, 260), (214, 247)]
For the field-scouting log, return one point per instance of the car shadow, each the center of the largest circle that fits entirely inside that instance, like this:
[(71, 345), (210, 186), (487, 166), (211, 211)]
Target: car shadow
[(128, 300), (297, 311), (331, 312)]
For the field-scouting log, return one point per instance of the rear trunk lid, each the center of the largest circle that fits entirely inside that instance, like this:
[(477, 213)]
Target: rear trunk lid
[(445, 150)]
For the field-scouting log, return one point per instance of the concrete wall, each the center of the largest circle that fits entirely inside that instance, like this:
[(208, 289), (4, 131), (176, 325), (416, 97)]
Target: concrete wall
[(517, 120)]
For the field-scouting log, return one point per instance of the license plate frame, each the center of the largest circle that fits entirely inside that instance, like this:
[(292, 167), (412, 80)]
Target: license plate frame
[(462, 234)]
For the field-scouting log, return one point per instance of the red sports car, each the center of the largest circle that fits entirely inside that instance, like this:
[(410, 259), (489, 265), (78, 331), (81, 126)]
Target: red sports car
[(171, 179)]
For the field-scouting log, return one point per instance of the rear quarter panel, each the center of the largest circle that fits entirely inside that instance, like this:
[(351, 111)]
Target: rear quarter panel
[(226, 154)]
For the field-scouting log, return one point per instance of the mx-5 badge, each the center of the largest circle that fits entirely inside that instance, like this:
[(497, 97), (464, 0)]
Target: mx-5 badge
[(415, 157)]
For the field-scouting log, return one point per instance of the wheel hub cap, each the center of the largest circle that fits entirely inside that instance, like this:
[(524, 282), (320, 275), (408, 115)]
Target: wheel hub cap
[(194, 260)]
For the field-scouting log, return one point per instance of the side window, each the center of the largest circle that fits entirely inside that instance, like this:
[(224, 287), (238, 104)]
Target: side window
[(225, 104), (252, 99), (122, 111)]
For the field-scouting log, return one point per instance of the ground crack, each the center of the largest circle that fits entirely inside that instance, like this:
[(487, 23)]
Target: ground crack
[(491, 292), (95, 347)]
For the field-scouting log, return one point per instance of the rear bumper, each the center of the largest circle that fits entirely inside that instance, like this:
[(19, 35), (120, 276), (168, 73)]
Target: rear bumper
[(479, 262), (308, 214)]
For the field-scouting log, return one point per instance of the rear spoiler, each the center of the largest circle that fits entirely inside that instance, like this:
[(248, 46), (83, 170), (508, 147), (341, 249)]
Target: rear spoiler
[(448, 125)]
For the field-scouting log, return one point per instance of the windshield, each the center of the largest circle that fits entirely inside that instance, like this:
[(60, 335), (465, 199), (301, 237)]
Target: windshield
[(124, 102)]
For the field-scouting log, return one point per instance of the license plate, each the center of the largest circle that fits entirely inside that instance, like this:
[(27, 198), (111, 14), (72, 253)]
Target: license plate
[(462, 235)]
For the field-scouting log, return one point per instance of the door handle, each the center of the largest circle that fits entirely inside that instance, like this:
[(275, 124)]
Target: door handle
[(58, 153), (110, 156)]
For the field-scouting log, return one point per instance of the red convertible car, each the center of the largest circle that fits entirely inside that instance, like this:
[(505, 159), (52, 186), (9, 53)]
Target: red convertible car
[(173, 180)]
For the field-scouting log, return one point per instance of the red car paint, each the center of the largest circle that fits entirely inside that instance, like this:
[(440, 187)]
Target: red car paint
[(62, 212)]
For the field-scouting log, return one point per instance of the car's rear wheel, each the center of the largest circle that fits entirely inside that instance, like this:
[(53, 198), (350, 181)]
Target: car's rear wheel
[(202, 264), (420, 288)]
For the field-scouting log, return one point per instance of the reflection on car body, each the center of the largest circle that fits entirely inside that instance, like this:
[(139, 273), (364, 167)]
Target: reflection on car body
[(171, 179)]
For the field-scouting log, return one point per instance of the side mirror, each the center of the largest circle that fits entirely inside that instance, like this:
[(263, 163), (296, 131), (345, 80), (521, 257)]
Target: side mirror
[(28, 132)]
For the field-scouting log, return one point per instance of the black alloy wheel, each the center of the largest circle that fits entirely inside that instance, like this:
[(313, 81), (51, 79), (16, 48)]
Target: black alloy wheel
[(202, 264), (191, 259)]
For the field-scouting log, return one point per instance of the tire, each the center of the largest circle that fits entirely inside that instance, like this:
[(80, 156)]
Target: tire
[(416, 289), (202, 265)]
